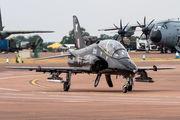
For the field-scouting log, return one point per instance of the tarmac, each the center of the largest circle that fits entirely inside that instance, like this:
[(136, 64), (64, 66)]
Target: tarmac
[(27, 95)]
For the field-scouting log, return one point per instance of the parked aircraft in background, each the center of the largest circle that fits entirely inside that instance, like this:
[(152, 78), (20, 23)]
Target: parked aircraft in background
[(166, 34), (5, 34), (107, 57), (123, 31)]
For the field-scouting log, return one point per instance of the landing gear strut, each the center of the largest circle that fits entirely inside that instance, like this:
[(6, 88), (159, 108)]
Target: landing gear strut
[(164, 50), (97, 80), (128, 85), (67, 83)]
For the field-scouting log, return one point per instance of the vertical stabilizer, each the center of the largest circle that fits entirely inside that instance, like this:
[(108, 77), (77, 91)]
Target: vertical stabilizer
[(1, 28), (79, 41)]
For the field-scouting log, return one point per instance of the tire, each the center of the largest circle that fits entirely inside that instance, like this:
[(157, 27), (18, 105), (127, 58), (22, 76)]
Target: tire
[(66, 86), (130, 88), (125, 89)]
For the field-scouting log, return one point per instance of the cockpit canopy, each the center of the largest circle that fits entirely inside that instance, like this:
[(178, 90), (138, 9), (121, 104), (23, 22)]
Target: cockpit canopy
[(114, 49), (160, 26)]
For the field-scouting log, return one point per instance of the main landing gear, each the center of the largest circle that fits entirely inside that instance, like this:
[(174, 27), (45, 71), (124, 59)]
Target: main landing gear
[(164, 50), (67, 83), (128, 85)]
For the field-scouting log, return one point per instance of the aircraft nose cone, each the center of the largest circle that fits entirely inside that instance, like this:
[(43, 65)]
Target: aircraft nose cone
[(129, 65), (155, 36)]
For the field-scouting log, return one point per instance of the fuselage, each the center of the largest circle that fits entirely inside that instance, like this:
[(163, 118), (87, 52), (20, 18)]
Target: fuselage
[(107, 56), (165, 34)]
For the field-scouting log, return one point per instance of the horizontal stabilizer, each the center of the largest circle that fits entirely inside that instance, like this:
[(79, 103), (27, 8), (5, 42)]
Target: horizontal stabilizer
[(54, 56)]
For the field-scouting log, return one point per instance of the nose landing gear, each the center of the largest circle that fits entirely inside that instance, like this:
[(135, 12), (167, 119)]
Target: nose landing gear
[(128, 85)]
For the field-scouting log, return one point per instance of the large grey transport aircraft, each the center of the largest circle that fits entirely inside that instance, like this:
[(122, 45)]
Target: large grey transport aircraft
[(5, 34), (166, 34), (107, 57)]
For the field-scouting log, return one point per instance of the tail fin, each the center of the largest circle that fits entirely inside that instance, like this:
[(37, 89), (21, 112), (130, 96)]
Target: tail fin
[(1, 28), (79, 41)]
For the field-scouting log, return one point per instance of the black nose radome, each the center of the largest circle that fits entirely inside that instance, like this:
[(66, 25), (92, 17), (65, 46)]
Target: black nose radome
[(155, 36)]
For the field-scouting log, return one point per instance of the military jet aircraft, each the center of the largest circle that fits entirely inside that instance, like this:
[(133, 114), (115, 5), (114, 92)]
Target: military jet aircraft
[(107, 57), (5, 34), (166, 34)]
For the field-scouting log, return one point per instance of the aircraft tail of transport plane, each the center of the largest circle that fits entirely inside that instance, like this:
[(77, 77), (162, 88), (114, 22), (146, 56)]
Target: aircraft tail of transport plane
[(107, 57), (79, 41)]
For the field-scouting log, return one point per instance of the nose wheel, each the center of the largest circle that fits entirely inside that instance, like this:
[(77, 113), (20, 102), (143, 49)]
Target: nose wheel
[(125, 88), (128, 85), (130, 88)]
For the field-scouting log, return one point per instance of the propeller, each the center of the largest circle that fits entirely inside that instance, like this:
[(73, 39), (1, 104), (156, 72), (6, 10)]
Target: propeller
[(145, 30), (121, 31)]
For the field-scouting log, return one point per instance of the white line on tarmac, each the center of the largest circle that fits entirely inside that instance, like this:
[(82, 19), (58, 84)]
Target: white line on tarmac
[(134, 98), (70, 93), (9, 89), (93, 100), (6, 74), (70, 96), (127, 95), (17, 94), (42, 92), (19, 76)]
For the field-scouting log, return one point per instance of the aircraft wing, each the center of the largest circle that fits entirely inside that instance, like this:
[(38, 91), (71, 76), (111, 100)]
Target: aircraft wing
[(109, 29), (54, 56), (59, 69), (26, 32)]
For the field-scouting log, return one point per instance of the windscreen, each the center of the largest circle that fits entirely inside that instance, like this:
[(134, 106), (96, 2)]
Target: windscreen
[(121, 53), (113, 48)]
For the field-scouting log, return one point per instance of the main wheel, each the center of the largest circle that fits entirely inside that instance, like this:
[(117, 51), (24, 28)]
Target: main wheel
[(130, 88), (66, 86), (125, 89)]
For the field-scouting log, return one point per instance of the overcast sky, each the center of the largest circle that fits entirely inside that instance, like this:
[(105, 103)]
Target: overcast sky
[(57, 15)]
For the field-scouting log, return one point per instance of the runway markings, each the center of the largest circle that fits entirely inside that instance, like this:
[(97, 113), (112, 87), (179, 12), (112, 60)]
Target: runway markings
[(9, 89), (69, 96), (92, 100), (135, 95), (134, 98), (17, 94), (18, 76), (34, 82), (5, 74)]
